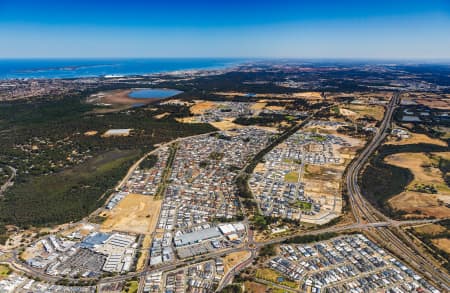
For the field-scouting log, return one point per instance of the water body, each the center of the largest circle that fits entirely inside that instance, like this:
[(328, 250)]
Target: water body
[(76, 68), (153, 93)]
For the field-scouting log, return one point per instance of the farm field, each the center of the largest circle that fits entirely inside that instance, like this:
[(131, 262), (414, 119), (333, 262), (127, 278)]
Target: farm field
[(418, 138)]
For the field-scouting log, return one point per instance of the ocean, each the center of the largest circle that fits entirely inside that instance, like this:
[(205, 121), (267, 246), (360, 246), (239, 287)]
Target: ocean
[(74, 68)]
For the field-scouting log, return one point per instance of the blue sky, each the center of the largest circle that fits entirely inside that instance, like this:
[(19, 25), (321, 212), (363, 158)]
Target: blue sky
[(396, 29)]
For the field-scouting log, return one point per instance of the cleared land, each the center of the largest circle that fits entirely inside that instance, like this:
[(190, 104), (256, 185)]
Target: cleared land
[(201, 106), (416, 138), (252, 287), (431, 229), (135, 213), (146, 243), (226, 124), (233, 259), (359, 111)]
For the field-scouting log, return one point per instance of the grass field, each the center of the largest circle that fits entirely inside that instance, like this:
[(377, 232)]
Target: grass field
[(273, 276), (135, 213), (359, 111), (253, 287), (4, 271), (131, 287), (291, 177), (442, 243), (430, 229)]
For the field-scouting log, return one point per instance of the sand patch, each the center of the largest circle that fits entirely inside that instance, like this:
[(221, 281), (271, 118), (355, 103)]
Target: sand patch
[(90, 133), (162, 115), (135, 213)]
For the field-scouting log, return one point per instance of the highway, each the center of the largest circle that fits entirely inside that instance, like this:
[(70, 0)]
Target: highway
[(391, 237)]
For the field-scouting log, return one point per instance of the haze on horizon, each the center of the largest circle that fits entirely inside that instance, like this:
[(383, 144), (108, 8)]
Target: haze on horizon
[(274, 29)]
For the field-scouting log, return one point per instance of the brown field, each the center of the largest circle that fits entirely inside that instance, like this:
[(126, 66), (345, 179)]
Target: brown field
[(308, 95), (146, 243), (226, 124), (258, 106), (442, 243), (233, 259), (253, 287), (418, 138), (432, 229), (416, 162), (427, 204), (201, 106), (135, 214), (374, 111), (438, 103), (275, 108)]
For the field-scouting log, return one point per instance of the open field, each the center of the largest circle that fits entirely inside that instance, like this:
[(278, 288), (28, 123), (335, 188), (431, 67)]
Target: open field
[(162, 115), (201, 106), (291, 177), (273, 276), (422, 168), (431, 229), (418, 138), (226, 124), (415, 202), (232, 259), (253, 287), (442, 243), (416, 199), (258, 106), (135, 214), (359, 111)]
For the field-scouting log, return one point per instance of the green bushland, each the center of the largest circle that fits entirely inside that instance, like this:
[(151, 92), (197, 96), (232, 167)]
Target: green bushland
[(149, 162), (380, 181), (50, 188), (65, 196)]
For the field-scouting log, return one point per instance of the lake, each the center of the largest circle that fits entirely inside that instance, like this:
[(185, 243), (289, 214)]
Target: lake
[(153, 93)]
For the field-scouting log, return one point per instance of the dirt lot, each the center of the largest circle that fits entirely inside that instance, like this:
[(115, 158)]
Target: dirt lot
[(442, 243), (234, 258), (162, 115), (146, 243), (135, 213), (201, 106), (417, 138)]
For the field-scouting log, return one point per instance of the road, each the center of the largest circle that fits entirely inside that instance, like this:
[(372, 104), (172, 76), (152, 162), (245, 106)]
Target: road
[(391, 237), (8, 182)]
